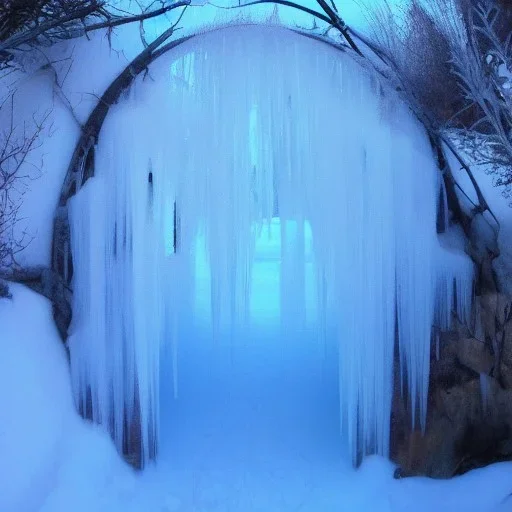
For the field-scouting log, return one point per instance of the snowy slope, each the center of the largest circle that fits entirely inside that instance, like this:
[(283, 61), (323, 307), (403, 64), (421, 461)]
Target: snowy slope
[(52, 461)]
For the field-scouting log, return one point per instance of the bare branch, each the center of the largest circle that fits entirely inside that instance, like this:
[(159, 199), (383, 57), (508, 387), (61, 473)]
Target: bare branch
[(45, 22), (16, 145), (111, 23)]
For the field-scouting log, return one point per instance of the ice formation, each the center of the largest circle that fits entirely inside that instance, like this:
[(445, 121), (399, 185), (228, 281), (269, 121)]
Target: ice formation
[(230, 131)]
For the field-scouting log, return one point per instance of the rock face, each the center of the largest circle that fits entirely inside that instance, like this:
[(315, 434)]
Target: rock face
[(470, 412), (469, 421)]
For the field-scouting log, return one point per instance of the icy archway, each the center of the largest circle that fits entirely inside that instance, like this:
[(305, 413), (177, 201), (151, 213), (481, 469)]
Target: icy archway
[(233, 129)]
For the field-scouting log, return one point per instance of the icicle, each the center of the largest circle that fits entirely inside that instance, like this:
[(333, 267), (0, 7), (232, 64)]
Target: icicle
[(445, 210), (240, 126), (455, 274)]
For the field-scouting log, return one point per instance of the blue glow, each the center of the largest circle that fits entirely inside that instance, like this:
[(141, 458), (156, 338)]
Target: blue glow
[(265, 303)]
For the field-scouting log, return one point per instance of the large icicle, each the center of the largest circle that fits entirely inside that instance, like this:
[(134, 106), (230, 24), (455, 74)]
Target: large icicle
[(234, 128)]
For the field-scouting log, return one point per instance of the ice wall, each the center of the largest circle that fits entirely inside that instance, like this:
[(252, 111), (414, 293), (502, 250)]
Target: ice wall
[(232, 129)]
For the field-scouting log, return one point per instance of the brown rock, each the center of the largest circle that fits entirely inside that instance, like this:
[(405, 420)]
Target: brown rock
[(503, 309), (506, 375), (431, 454), (496, 305), (502, 406), (488, 310), (487, 281), (482, 238), (507, 344), (473, 354), (461, 404)]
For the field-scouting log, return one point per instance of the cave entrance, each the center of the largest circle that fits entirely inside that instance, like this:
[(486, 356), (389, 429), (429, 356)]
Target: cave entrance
[(259, 395), (205, 143)]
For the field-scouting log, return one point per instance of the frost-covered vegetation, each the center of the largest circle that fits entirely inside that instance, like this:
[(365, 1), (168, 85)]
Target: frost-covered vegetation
[(454, 59)]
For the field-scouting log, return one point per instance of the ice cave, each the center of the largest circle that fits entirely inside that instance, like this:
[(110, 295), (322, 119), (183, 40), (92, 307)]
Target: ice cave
[(257, 247)]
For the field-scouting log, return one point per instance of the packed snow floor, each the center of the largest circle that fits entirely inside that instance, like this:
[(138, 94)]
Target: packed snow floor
[(288, 460)]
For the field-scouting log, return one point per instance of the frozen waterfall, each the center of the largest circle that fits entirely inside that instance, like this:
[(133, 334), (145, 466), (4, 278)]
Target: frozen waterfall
[(226, 134)]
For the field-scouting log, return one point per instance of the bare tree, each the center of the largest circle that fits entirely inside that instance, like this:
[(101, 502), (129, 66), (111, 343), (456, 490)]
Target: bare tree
[(26, 24), (17, 145)]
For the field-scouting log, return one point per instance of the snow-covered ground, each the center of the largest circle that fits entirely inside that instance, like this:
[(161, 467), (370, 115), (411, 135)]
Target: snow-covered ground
[(52, 461)]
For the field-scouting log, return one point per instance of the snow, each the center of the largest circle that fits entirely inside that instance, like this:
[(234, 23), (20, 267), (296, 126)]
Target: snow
[(500, 207), (34, 99), (53, 461)]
